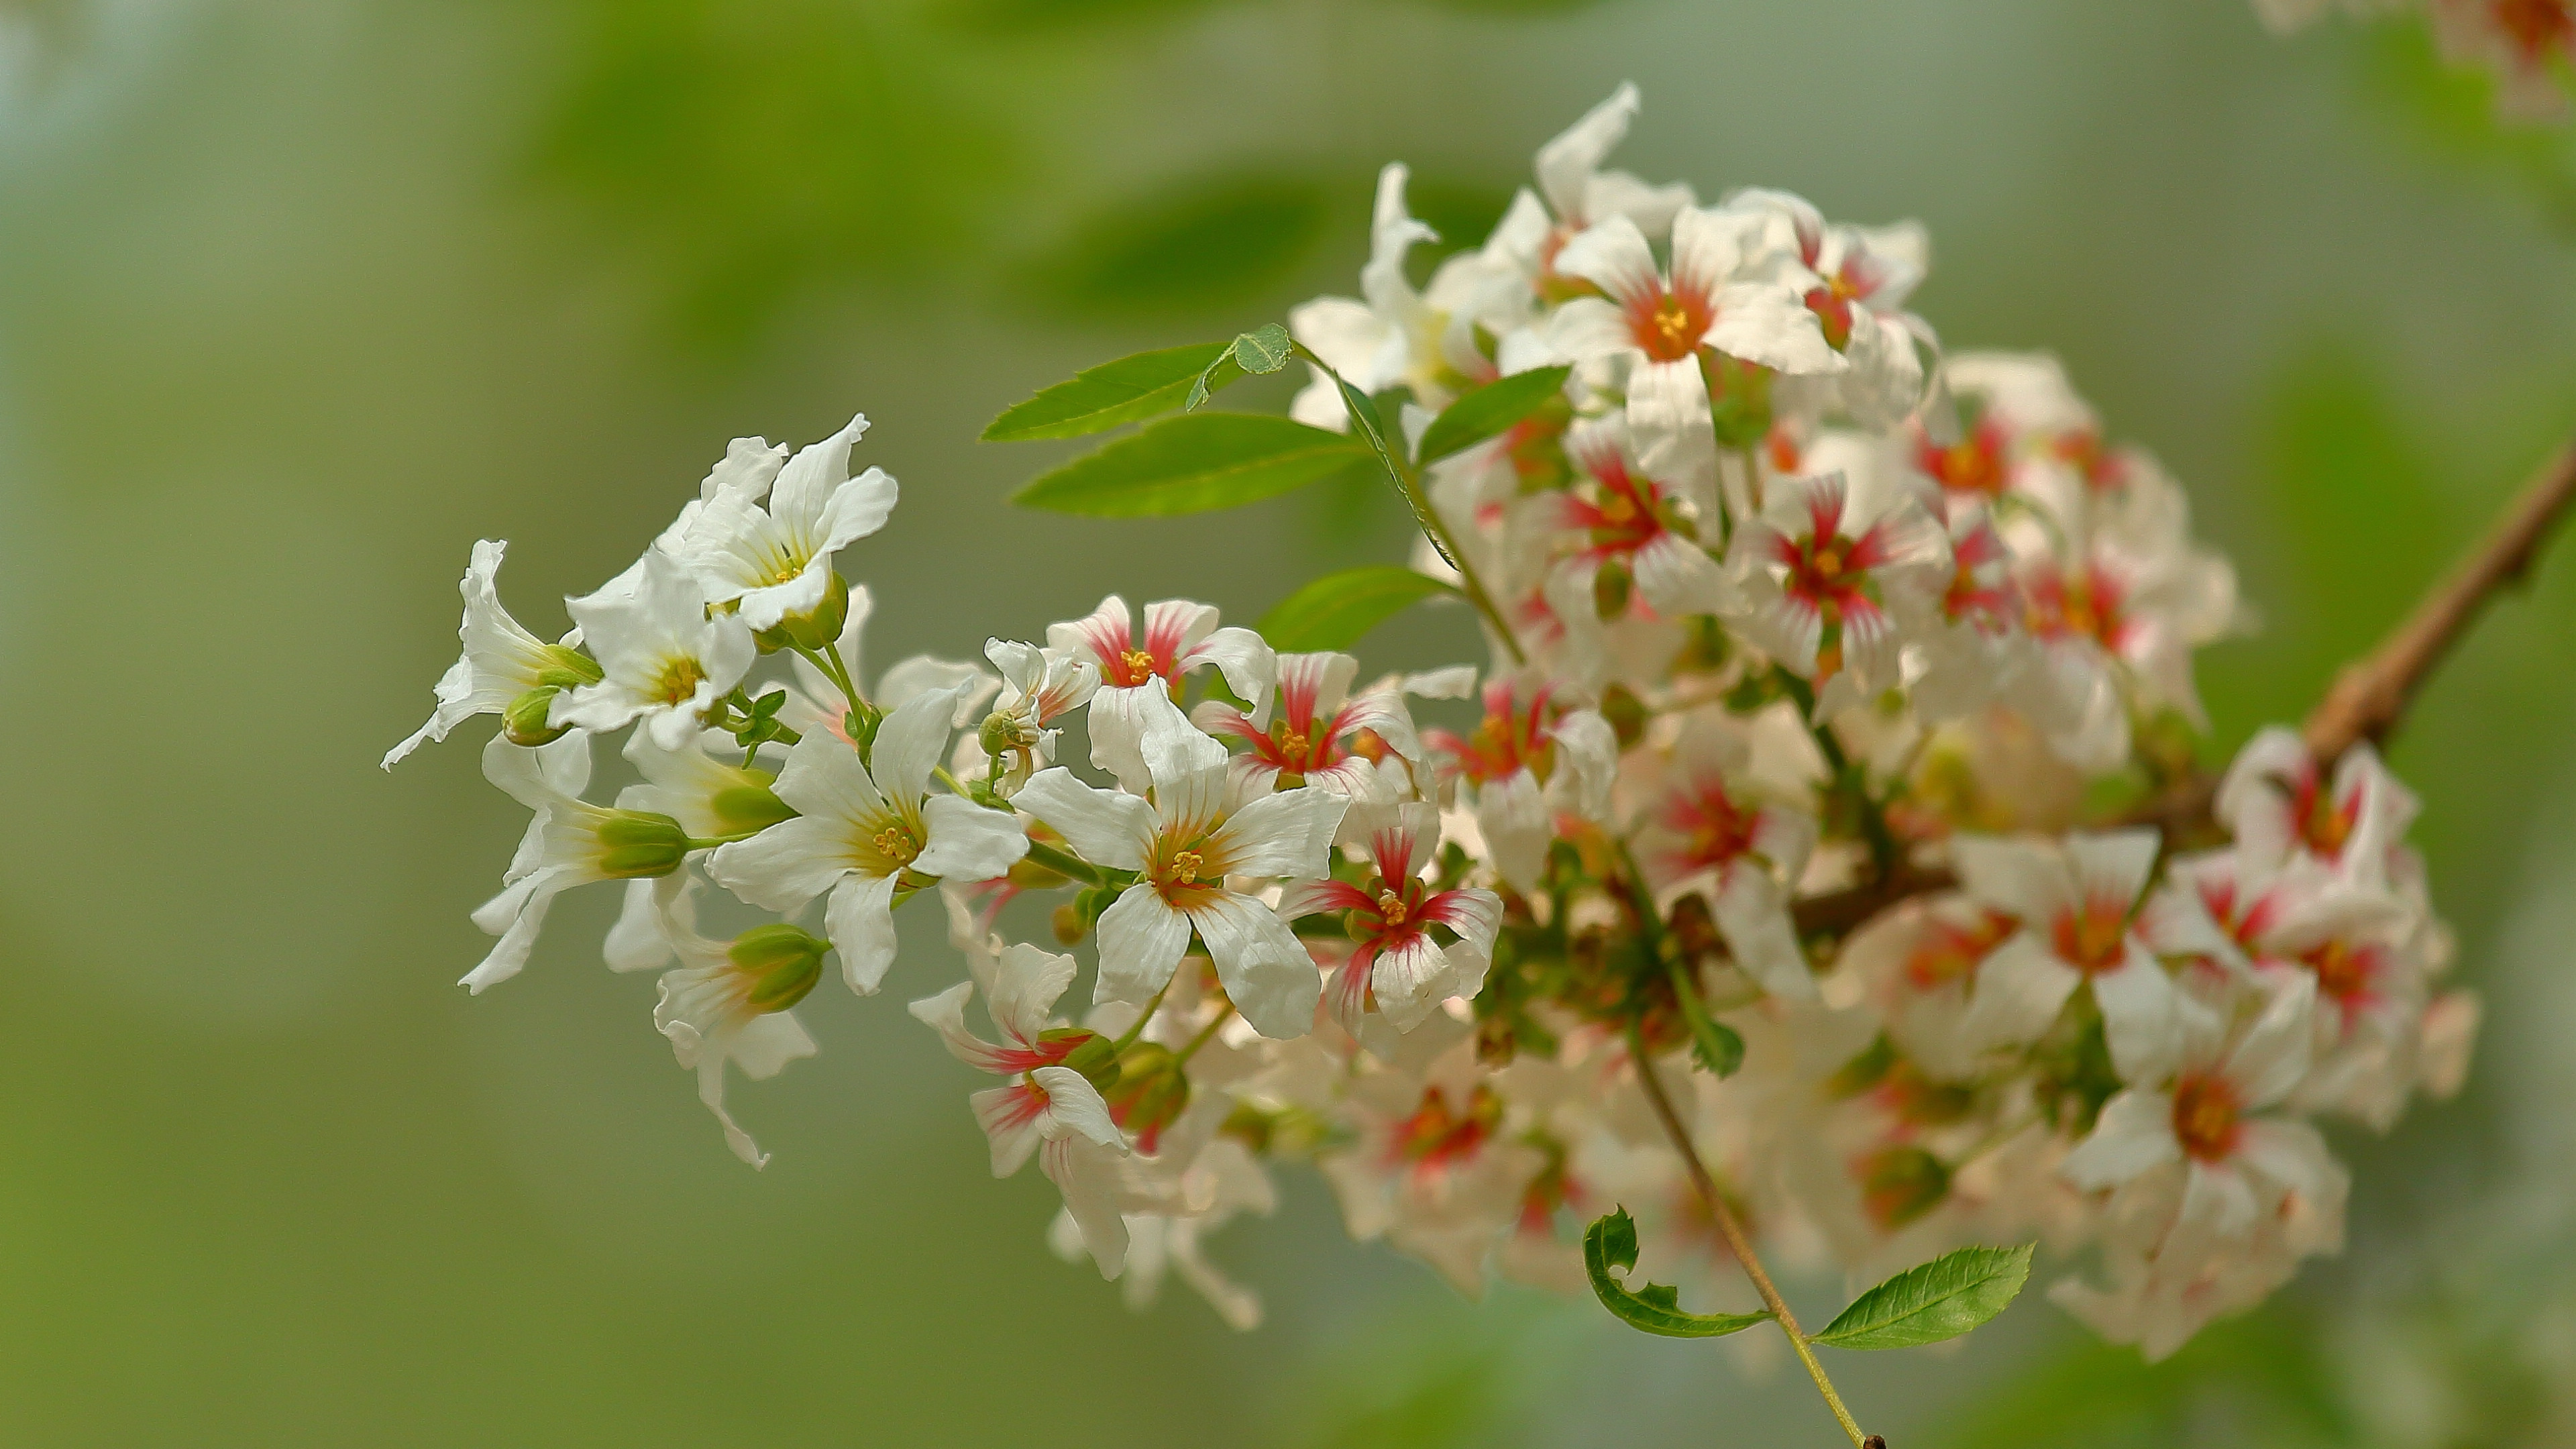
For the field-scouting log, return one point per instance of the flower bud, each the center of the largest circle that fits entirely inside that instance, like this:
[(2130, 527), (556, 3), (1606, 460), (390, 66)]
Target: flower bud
[(1151, 1091), (1003, 732), (569, 668), (816, 629), (1093, 1055), (635, 843), (1900, 1184), (746, 808), (1610, 589), (1625, 712), (784, 962), (524, 720)]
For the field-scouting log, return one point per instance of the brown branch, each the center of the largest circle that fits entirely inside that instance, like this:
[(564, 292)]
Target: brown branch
[(2367, 701)]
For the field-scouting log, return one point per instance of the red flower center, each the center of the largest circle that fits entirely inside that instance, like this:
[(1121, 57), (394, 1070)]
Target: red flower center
[(2205, 1117)]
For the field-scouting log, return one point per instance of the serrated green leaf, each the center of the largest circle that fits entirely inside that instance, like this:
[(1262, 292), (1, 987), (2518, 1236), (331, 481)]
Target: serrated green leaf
[(1714, 1044), (1097, 399), (1611, 1243), (1932, 1301), (1192, 464), (1335, 610), (1263, 350), (1491, 409)]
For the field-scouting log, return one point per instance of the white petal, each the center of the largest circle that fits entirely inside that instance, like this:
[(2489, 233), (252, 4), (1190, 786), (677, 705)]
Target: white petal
[(1290, 833), (967, 841), (908, 746), (2019, 990), (2140, 1017), (2133, 1133), (1266, 970), (860, 920), (1104, 827), (1141, 940), (783, 867), (2018, 877)]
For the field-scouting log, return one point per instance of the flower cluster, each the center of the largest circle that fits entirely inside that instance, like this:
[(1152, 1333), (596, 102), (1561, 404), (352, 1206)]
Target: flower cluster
[(2527, 45), (1809, 785)]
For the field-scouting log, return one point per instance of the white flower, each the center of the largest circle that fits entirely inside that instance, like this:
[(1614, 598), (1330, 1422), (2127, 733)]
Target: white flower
[(1051, 1110), (1726, 292), (1138, 677), (2211, 1189), (666, 660), (1579, 194), (1864, 275), (1396, 965), (1315, 740), (767, 525), (1395, 337), (570, 842), (1628, 520), (1186, 844), (866, 829), (1039, 687), (1706, 829), (1825, 595), (2076, 901), (1519, 757), (501, 660), (729, 1002), (2281, 807)]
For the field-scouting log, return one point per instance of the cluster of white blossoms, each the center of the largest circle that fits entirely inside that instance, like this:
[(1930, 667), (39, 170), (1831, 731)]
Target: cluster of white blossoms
[(2529, 46), (1825, 673)]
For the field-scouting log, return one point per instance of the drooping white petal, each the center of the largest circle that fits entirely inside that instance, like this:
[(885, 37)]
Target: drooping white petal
[(1141, 940), (859, 918), (1267, 972)]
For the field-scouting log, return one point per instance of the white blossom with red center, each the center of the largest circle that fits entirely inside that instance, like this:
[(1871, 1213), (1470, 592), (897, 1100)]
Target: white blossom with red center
[(2280, 808), (1707, 829), (1863, 277), (1727, 292), (1973, 650), (1184, 844), (1825, 592), (2077, 901), (1574, 193), (1531, 748), (1039, 687), (1628, 520), (2202, 1162), (1398, 966), (1141, 674), (1321, 736), (1915, 965)]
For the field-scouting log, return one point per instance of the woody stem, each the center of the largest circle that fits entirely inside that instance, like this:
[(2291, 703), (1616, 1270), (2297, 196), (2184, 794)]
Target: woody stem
[(1737, 1242)]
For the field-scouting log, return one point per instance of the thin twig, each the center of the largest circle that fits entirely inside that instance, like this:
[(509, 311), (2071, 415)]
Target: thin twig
[(1737, 1241)]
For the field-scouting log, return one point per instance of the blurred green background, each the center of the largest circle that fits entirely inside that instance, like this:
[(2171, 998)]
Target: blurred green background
[(297, 299)]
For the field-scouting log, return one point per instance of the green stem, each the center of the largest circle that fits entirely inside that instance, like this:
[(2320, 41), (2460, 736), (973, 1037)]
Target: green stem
[(1737, 1242), (1066, 864), (829, 661), (1206, 1034), (694, 842), (1128, 1039), (1884, 853), (1409, 483)]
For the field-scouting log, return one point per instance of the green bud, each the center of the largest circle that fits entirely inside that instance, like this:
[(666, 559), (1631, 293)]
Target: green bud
[(1150, 1092), (817, 629), (1095, 1056), (786, 960), (1864, 1071), (1900, 1184), (569, 668), (1626, 714), (1610, 591), (1001, 734), (860, 724), (524, 721), (635, 843), (749, 807)]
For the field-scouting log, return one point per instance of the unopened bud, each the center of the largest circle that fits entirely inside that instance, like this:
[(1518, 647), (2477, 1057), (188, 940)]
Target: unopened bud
[(1610, 591), (1900, 1184), (569, 668), (1093, 1055), (635, 843), (785, 962), (746, 808), (1625, 712), (1150, 1092), (1004, 732), (524, 721), (1069, 924), (816, 629)]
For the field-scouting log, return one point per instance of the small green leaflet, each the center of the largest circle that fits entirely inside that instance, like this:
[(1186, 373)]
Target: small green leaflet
[(1335, 610), (1491, 409), (1932, 1301), (1263, 350), (1194, 463), (1611, 1243), (1713, 1042), (1100, 398)]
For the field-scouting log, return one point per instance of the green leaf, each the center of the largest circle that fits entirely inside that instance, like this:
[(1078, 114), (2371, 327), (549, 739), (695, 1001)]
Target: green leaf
[(1100, 398), (1191, 464), (1932, 1301), (1714, 1044), (1264, 350), (1611, 1243), (1491, 409), (1335, 610)]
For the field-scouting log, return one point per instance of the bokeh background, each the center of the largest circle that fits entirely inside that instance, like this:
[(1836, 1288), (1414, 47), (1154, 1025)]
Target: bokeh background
[(297, 299)]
